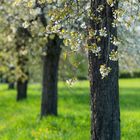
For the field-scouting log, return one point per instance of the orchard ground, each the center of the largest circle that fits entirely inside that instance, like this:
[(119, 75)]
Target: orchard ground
[(20, 120)]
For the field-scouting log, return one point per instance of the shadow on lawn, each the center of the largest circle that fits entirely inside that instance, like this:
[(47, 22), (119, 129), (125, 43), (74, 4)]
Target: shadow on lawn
[(130, 99), (76, 95)]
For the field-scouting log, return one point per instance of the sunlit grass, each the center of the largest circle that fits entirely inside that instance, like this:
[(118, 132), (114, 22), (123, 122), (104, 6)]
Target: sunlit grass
[(20, 120)]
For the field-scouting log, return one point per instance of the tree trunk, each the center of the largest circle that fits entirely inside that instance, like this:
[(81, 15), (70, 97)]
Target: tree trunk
[(22, 90), (50, 77), (22, 37), (11, 85), (11, 78), (105, 112), (105, 117)]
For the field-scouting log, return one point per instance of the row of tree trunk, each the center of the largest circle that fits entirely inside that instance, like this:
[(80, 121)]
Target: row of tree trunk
[(105, 114), (22, 37)]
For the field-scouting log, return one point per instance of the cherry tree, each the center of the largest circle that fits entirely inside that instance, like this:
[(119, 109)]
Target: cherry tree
[(92, 26)]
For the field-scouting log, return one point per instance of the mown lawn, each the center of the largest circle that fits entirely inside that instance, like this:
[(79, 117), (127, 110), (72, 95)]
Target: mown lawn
[(20, 120)]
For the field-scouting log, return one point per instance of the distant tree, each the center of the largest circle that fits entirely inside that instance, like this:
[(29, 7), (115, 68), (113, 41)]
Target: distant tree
[(11, 79), (15, 39), (22, 37), (28, 19)]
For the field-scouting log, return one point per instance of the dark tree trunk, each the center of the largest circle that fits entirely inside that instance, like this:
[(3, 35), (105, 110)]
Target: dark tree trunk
[(50, 77), (50, 71), (22, 90), (11, 85), (22, 37), (105, 117), (105, 112)]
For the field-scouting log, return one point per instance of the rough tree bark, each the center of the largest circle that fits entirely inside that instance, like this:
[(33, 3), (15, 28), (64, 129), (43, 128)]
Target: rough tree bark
[(22, 37), (50, 77), (105, 112)]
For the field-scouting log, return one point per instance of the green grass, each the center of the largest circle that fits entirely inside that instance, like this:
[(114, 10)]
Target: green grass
[(20, 120)]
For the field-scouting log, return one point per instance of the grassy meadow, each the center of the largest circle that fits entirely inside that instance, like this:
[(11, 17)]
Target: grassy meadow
[(20, 120)]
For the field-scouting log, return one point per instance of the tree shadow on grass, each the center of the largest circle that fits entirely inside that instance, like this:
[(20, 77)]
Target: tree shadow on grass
[(75, 95), (130, 99)]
